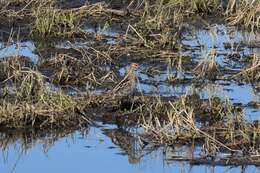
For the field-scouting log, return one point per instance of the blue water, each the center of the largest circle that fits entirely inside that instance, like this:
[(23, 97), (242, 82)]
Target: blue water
[(24, 48), (217, 36), (95, 153)]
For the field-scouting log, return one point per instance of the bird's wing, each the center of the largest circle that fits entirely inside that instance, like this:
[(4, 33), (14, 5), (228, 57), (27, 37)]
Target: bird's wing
[(119, 85)]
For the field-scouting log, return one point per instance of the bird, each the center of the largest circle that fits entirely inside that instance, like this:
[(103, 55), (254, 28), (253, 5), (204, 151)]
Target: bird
[(127, 142), (127, 85)]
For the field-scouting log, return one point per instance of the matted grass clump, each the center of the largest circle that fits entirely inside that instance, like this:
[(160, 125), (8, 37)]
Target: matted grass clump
[(251, 73), (53, 22), (26, 100), (57, 110), (216, 127), (45, 18), (212, 125), (78, 69), (245, 13)]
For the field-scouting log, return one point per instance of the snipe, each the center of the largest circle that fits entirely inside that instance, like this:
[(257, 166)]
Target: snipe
[(126, 86)]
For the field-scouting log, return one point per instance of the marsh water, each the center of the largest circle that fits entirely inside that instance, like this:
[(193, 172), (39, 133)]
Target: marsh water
[(99, 147), (95, 152)]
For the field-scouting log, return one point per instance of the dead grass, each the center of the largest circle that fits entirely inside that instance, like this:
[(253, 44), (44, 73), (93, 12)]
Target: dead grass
[(53, 22), (84, 67), (26, 100), (207, 67), (245, 13), (179, 124), (252, 72), (153, 32)]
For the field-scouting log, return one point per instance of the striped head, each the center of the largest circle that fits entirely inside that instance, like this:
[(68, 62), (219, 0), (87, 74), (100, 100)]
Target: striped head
[(134, 66)]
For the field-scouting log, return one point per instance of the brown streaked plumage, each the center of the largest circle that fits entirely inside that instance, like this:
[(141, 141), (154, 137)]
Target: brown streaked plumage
[(127, 85)]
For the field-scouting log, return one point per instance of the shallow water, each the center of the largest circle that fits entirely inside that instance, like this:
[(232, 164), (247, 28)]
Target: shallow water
[(96, 153), (24, 48), (226, 40)]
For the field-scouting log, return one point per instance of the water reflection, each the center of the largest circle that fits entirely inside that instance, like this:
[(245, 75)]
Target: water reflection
[(26, 49), (226, 40), (95, 150), (159, 85), (118, 150)]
